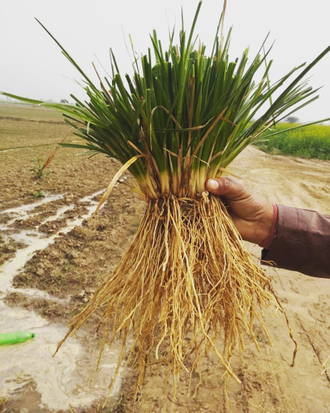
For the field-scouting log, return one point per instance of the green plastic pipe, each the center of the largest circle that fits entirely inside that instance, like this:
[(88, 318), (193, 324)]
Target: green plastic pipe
[(14, 338)]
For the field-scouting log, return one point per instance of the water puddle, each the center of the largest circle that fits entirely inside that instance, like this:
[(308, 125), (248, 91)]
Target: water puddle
[(23, 210), (69, 378), (33, 239)]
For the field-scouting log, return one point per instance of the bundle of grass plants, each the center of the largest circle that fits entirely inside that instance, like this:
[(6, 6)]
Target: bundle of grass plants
[(186, 285)]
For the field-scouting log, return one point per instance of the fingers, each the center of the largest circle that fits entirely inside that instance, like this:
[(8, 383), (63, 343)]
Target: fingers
[(231, 189)]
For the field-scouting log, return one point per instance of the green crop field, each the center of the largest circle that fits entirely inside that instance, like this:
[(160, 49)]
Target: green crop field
[(307, 142)]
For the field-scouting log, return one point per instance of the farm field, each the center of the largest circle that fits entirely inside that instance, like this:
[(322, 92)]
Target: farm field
[(54, 282), (308, 142)]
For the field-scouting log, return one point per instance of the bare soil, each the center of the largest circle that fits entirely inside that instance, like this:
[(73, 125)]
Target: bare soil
[(77, 262)]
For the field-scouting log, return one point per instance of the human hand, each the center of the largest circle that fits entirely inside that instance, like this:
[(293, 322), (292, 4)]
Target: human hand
[(252, 215)]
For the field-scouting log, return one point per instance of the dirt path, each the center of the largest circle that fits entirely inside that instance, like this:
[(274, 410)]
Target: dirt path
[(306, 387), (269, 384), (72, 266)]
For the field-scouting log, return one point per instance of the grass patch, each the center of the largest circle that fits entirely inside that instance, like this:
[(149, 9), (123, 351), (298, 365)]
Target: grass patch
[(306, 142), (38, 169)]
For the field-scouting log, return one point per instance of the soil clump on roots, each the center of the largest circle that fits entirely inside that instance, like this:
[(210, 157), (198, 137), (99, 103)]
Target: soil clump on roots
[(186, 281)]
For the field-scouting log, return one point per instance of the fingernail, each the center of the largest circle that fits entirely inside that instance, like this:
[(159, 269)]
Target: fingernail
[(212, 184)]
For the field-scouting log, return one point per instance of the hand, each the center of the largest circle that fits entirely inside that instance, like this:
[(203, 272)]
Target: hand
[(251, 213)]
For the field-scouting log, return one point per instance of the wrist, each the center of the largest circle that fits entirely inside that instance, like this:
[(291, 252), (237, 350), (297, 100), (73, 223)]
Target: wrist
[(267, 240)]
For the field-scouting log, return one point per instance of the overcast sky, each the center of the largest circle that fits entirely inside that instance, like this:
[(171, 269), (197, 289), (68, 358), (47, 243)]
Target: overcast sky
[(31, 63)]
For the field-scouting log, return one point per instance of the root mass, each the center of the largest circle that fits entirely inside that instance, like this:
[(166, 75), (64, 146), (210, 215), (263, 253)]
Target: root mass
[(185, 286)]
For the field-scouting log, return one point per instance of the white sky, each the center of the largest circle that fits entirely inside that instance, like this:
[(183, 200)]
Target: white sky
[(31, 63)]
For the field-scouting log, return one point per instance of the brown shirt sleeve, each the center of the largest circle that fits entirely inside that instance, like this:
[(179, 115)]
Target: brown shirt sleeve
[(301, 242)]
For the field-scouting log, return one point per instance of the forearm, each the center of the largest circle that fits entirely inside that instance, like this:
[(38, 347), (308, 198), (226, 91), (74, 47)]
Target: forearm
[(301, 242)]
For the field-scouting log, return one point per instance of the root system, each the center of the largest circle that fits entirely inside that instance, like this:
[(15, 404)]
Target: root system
[(186, 284)]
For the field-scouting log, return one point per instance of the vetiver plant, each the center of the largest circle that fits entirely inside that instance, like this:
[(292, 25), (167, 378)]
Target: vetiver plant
[(182, 117)]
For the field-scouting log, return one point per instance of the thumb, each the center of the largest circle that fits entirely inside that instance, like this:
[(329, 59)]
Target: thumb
[(224, 186)]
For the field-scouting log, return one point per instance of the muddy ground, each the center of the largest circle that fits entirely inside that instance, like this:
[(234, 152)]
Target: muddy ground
[(75, 264)]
